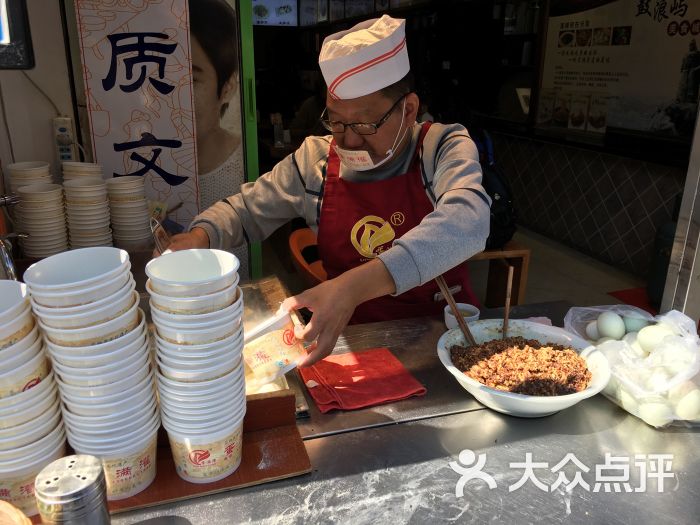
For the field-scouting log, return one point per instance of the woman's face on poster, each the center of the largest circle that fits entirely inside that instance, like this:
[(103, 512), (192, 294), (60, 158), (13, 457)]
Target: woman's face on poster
[(208, 104)]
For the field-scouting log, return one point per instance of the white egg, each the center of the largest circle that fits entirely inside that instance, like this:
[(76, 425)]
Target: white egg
[(688, 406), (658, 382), (627, 401), (676, 392), (634, 324), (651, 336), (611, 325), (635, 349), (655, 413), (592, 330)]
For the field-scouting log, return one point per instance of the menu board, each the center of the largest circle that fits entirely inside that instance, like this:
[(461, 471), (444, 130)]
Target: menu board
[(275, 12), (629, 64)]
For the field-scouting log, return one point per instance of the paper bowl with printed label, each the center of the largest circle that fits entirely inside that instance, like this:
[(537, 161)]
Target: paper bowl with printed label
[(129, 468), (14, 329), (140, 398), (117, 417), (201, 387), (95, 334), (83, 296), (113, 397), (33, 450), (20, 346), (14, 297), (180, 351), (199, 363), (106, 389), (29, 404), (103, 375), (109, 308), (140, 345), (207, 458), (196, 304), (195, 375), (519, 404), (102, 348), (231, 313), (24, 377), (198, 409), (198, 334), (76, 270), (203, 423), (138, 421), (17, 359), (31, 431), (204, 400), (117, 441), (17, 479), (193, 272)]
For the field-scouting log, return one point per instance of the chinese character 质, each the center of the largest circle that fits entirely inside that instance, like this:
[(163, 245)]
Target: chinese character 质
[(141, 46)]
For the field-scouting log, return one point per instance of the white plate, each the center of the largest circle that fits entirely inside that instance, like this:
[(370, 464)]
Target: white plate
[(520, 404)]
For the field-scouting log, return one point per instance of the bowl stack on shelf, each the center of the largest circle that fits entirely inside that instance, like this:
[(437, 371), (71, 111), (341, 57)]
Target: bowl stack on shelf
[(88, 310), (129, 212), (77, 170), (41, 216), (31, 429), (26, 173), (197, 309), (87, 209)]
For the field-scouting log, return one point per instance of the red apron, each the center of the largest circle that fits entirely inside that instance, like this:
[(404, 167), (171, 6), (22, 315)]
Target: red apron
[(361, 220)]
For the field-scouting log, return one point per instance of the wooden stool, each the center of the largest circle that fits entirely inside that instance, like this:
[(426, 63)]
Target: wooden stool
[(515, 255)]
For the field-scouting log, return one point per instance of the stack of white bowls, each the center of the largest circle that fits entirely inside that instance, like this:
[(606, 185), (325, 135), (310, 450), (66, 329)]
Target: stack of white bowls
[(40, 215), (197, 307), (26, 173), (76, 170), (87, 209), (31, 429), (95, 333), (129, 212)]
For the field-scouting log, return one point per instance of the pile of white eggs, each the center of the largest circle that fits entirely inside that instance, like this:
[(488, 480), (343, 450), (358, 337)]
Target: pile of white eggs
[(649, 365)]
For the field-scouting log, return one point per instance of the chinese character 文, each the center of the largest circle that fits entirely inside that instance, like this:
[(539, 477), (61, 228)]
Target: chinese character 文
[(140, 47), (148, 139)]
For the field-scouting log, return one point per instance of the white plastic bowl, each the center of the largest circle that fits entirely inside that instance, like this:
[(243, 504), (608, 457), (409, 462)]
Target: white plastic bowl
[(470, 313), (113, 397), (25, 377), (103, 375), (192, 272), (94, 334), (17, 359), (183, 320), (196, 375), (33, 430), (103, 390), (194, 305), (195, 353), (76, 270), (140, 398), (198, 334), (13, 299), (82, 296), (200, 388), (102, 348), (28, 452), (13, 329), (115, 417), (519, 404), (80, 317), (140, 345), (33, 402)]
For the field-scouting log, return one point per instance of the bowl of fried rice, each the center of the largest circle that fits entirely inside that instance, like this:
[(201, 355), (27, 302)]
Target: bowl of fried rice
[(537, 371)]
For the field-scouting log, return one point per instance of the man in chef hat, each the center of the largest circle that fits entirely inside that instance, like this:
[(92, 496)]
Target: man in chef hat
[(394, 203)]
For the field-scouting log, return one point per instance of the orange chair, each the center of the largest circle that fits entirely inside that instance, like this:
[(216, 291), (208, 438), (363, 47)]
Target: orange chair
[(301, 241)]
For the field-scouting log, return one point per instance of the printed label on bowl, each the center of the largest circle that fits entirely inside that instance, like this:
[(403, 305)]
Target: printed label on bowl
[(99, 339), (17, 336), (272, 354), (20, 384), (205, 461), (130, 475), (20, 493)]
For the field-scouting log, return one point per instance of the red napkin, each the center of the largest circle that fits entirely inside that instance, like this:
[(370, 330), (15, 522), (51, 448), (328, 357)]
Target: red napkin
[(359, 380)]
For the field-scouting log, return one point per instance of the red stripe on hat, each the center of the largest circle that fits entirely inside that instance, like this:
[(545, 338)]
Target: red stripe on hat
[(366, 65)]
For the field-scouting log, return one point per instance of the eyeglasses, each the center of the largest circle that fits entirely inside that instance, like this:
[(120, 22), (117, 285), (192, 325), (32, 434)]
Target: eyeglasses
[(361, 128)]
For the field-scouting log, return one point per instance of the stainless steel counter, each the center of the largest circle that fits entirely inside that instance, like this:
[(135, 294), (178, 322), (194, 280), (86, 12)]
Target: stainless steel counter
[(392, 463)]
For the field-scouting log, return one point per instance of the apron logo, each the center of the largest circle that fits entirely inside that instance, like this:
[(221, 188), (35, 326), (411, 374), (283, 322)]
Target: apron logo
[(397, 218), (370, 234)]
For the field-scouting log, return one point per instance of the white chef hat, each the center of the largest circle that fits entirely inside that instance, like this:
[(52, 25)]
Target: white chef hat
[(366, 58)]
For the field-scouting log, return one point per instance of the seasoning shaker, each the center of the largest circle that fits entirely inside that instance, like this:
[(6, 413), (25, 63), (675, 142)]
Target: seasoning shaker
[(72, 491)]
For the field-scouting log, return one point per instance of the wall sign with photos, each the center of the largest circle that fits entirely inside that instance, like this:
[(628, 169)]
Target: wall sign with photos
[(628, 64)]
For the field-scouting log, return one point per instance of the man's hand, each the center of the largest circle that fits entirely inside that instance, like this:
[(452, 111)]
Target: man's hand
[(197, 238), (333, 303)]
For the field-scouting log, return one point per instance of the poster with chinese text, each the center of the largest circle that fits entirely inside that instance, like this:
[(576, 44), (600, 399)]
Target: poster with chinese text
[(137, 71), (629, 64)]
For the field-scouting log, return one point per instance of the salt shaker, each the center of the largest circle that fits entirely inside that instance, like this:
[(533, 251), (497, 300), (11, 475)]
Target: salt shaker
[(72, 491)]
